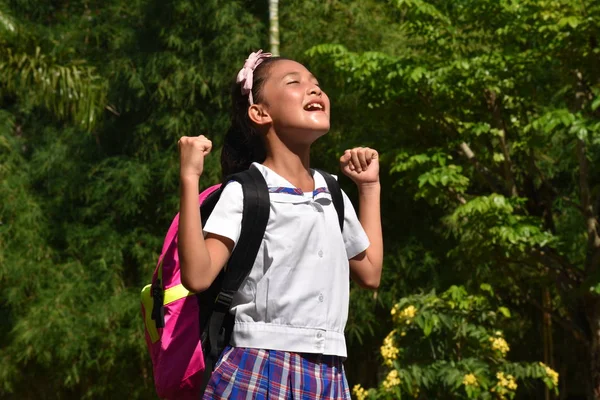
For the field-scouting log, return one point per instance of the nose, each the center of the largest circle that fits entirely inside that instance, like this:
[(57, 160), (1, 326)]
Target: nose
[(314, 89)]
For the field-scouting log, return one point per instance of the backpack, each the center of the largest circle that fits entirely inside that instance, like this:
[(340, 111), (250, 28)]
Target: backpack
[(185, 332)]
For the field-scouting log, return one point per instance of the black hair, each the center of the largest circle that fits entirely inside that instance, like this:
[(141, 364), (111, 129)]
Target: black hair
[(243, 143)]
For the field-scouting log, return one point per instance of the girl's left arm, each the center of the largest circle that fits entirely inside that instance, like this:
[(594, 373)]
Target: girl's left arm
[(362, 166)]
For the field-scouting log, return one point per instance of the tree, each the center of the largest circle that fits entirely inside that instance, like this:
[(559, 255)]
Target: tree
[(274, 27), (84, 207), (85, 202), (74, 91), (497, 103)]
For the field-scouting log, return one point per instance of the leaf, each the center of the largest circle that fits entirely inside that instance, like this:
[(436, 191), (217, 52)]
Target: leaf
[(504, 311), (417, 74), (486, 287), (572, 21), (595, 103), (595, 289)]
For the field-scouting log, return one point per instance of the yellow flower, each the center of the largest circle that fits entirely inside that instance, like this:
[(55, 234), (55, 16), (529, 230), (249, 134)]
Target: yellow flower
[(409, 312), (470, 380), (406, 314), (506, 382), (360, 392), (552, 374), (500, 345), (392, 380), (389, 351)]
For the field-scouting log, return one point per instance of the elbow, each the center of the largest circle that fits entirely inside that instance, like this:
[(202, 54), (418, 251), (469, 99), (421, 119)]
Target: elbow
[(193, 284), (366, 274), (372, 283), (372, 279)]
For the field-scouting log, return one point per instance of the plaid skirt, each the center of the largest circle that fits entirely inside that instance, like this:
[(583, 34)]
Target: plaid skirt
[(270, 374)]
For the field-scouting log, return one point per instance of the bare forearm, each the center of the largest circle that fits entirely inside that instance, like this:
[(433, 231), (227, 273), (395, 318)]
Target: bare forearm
[(193, 255), (369, 200)]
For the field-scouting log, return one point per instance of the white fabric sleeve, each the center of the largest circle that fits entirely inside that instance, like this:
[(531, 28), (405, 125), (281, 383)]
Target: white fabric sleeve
[(355, 237), (226, 218)]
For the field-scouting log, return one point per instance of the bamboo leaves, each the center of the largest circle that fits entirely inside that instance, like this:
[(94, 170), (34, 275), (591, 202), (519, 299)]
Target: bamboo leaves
[(71, 92)]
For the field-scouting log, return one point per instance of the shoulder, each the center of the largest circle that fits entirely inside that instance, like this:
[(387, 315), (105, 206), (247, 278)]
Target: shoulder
[(323, 174), (231, 190), (231, 197)]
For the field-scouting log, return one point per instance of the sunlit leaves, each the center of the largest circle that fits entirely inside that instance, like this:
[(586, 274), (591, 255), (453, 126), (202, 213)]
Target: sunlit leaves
[(495, 107), (488, 223), (452, 345), (93, 98), (73, 92)]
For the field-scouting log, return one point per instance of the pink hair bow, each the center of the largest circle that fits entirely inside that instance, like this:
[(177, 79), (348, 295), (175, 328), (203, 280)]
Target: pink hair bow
[(246, 74)]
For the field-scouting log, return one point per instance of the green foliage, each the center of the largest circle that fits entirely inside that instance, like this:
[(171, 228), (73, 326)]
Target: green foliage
[(491, 118), (490, 223), (451, 346), (485, 114), (93, 97), (72, 91)]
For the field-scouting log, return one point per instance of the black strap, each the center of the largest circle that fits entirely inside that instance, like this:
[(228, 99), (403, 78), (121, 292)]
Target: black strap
[(255, 216), (336, 195), (158, 309), (254, 223)]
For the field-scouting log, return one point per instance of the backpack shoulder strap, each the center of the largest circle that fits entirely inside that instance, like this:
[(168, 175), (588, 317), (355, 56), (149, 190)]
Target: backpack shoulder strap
[(255, 216), (336, 195)]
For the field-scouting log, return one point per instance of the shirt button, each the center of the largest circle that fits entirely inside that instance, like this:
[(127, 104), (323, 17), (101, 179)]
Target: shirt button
[(319, 335), (321, 253), (321, 297)]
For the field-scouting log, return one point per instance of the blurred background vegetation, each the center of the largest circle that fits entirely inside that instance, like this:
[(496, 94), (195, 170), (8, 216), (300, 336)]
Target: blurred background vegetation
[(487, 117)]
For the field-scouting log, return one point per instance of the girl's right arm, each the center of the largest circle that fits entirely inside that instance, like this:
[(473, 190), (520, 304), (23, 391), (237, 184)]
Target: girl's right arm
[(200, 259)]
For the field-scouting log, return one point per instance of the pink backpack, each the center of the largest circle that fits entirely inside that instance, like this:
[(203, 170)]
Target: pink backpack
[(175, 348)]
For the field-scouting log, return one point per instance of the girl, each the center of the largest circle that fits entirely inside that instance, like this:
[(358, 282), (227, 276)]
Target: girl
[(290, 313)]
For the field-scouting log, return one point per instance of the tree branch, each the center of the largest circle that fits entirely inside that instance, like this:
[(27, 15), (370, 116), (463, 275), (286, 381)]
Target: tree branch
[(493, 106), (565, 323), (553, 190), (563, 281), (457, 196), (549, 257), (465, 149)]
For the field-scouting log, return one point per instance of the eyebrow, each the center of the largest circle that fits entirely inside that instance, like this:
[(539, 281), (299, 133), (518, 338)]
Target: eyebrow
[(298, 74)]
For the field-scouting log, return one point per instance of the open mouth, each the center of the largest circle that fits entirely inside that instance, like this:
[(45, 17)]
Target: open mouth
[(314, 106)]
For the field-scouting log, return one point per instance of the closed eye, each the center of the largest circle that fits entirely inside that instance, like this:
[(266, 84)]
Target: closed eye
[(290, 82)]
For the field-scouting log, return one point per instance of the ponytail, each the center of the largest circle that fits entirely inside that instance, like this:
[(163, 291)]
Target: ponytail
[(243, 143)]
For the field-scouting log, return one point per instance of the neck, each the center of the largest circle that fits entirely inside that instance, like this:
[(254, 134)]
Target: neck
[(292, 162)]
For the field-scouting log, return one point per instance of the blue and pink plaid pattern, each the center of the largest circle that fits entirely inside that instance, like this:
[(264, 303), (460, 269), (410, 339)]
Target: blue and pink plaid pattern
[(296, 191), (271, 374)]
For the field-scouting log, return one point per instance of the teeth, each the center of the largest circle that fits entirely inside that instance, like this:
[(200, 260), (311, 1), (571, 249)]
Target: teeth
[(314, 105)]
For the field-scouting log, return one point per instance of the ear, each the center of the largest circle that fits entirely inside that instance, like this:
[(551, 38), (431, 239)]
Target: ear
[(259, 115)]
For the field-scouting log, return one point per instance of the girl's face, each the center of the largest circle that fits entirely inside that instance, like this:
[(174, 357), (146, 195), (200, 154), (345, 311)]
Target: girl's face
[(295, 103)]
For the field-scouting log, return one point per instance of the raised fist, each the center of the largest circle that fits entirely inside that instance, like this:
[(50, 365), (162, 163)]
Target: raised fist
[(192, 150), (361, 164)]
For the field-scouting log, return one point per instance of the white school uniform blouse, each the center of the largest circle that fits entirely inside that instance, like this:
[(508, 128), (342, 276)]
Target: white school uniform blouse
[(296, 296)]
